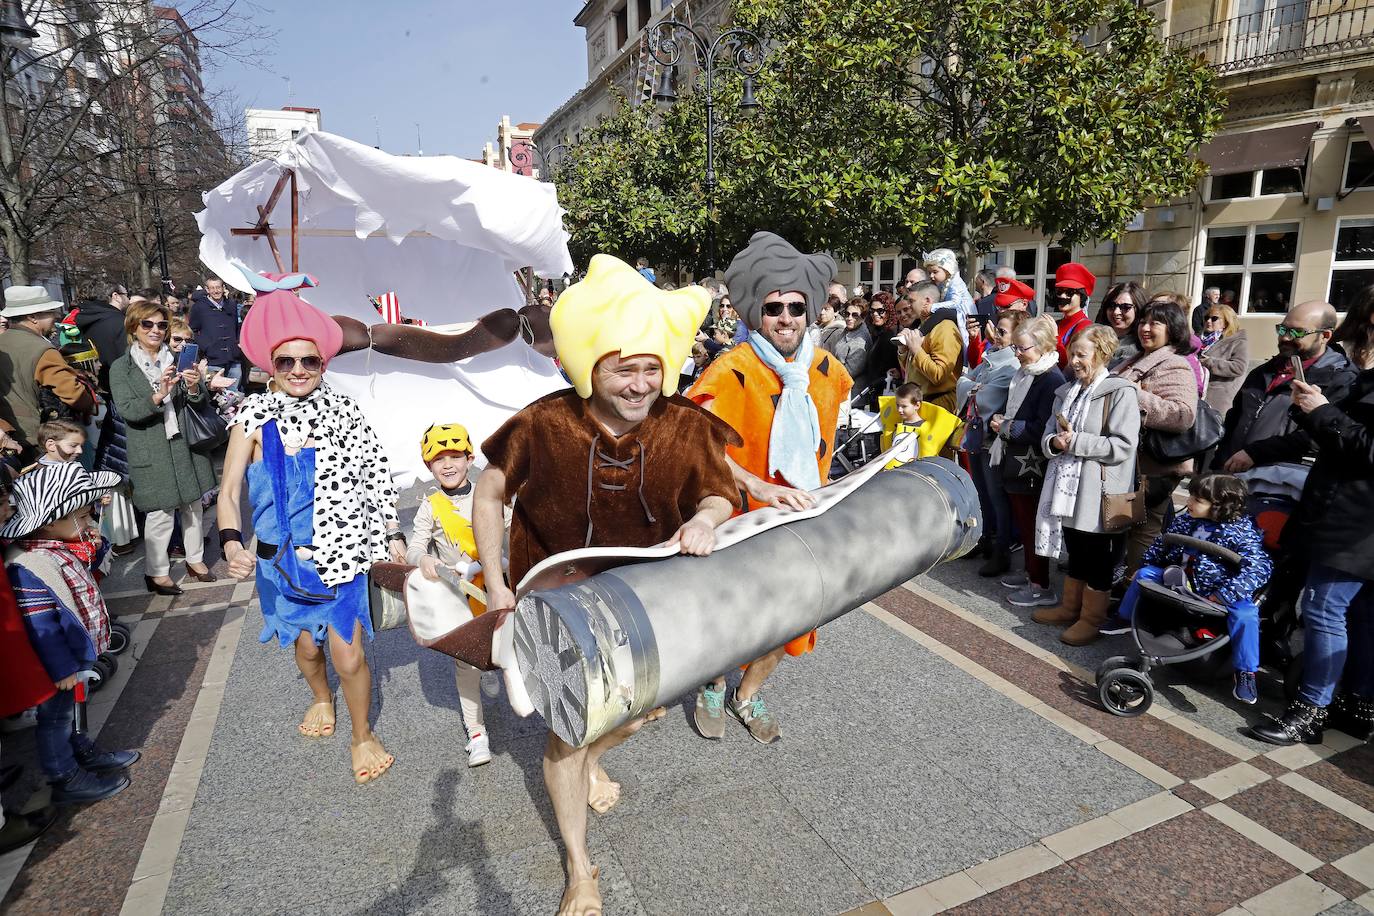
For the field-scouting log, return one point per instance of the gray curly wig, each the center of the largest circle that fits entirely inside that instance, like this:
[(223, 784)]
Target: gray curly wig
[(770, 264)]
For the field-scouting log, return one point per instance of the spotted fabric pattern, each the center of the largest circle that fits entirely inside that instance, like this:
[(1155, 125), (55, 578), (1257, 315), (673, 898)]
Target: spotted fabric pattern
[(355, 499)]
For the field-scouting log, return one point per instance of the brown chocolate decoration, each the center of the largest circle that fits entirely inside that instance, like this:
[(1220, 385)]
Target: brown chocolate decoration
[(471, 642), (492, 331)]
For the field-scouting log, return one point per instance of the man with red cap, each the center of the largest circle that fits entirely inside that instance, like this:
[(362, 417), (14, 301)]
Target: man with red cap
[(1073, 287), (1011, 294)]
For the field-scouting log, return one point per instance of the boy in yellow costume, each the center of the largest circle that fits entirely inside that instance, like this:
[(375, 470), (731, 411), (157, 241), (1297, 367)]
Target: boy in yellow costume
[(934, 427), (442, 536)]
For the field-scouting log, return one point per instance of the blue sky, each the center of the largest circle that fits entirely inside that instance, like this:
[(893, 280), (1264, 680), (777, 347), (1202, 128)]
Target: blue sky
[(453, 66)]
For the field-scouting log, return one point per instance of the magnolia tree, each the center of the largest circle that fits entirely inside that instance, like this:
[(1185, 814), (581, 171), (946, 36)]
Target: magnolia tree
[(908, 123)]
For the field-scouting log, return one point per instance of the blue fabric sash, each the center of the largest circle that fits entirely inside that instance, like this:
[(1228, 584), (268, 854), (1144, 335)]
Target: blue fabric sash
[(796, 433)]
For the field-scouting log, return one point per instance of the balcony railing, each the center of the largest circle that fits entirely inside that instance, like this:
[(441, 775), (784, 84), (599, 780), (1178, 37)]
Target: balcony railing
[(1284, 34)]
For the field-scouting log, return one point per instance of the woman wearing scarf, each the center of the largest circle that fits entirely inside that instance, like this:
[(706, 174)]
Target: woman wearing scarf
[(1225, 355), (1168, 395), (166, 476), (1016, 450), (1092, 453), (324, 508)]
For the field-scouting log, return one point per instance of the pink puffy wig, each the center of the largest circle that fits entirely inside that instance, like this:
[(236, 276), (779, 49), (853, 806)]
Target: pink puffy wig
[(279, 315)]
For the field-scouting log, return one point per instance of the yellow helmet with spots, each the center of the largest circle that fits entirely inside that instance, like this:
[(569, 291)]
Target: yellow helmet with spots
[(444, 437)]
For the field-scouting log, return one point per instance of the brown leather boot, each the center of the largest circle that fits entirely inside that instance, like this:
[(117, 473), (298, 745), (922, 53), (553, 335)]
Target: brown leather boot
[(1094, 614), (1069, 605)]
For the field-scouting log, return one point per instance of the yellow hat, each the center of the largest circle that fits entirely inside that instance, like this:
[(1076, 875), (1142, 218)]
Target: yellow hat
[(615, 310), (444, 437)]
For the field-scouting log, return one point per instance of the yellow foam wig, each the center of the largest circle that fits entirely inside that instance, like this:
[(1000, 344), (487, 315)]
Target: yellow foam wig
[(615, 310)]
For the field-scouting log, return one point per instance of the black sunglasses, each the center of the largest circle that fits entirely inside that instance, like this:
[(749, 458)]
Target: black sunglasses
[(774, 309), (148, 325), (853, 314), (878, 311), (284, 364), (177, 338), (1120, 306)]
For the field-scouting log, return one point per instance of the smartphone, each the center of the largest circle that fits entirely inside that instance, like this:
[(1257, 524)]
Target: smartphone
[(188, 357), (1296, 362)]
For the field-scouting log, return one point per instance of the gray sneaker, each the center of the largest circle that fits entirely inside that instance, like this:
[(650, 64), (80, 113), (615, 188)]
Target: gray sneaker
[(763, 728), (1033, 596), (710, 712), (1014, 580)]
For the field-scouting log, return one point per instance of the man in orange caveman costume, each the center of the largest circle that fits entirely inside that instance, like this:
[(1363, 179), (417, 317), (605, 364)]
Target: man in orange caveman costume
[(783, 395)]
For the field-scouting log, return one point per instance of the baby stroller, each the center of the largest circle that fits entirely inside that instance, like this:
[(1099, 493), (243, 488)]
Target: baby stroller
[(1175, 626), (1172, 625)]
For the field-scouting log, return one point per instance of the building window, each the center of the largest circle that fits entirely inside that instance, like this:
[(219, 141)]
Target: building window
[(642, 13), (265, 135), (1359, 165), (1034, 263), (1260, 183), (622, 26), (878, 274), (1253, 266), (1352, 261)]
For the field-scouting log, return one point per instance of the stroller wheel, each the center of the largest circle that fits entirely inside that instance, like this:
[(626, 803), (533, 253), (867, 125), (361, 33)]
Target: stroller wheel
[(1111, 664), (120, 638), (105, 667), (1126, 692)]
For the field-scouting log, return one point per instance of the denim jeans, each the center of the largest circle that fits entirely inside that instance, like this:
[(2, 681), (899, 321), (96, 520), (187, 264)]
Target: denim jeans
[(1242, 620), (1336, 610), (57, 744), (992, 497)]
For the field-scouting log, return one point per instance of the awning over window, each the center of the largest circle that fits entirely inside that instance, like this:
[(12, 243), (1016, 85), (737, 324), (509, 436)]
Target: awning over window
[(1276, 148)]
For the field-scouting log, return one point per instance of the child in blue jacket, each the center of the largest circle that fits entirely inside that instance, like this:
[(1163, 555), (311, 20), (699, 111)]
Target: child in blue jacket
[(1216, 513), (65, 617)]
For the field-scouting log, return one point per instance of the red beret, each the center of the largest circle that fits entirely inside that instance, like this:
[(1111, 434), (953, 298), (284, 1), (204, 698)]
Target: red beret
[(1014, 289), (1075, 276)]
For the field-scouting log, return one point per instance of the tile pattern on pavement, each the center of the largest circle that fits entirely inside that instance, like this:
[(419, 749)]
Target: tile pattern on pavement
[(939, 752)]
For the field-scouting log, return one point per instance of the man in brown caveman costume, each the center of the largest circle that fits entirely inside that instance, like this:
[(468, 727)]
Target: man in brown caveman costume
[(609, 463)]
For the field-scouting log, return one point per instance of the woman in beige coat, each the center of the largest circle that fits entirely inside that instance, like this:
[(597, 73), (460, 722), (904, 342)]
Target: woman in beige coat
[(1167, 390)]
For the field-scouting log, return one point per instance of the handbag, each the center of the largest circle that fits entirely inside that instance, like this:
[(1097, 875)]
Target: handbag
[(200, 423), (302, 583), (1120, 511), (1171, 448)]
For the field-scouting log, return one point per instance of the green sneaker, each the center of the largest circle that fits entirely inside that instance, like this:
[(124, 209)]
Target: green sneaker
[(756, 717), (710, 712)]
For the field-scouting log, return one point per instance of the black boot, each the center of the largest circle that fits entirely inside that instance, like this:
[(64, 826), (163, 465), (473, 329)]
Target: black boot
[(1300, 722), (998, 562), (980, 549), (1353, 715)]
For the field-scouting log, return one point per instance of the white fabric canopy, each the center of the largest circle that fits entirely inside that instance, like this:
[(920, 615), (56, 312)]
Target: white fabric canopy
[(445, 234)]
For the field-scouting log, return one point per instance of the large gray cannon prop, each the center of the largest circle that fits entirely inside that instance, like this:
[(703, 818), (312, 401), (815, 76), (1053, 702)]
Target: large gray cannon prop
[(600, 652)]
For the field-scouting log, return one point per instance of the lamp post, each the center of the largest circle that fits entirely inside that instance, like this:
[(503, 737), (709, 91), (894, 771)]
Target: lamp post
[(546, 160), (737, 49), (15, 30)]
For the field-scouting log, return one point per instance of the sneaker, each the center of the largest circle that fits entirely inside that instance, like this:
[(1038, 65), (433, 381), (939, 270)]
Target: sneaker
[(479, 751), (1033, 596), (1015, 580), (1114, 626), (1246, 689), (709, 716), (97, 761), (755, 716), (85, 787)]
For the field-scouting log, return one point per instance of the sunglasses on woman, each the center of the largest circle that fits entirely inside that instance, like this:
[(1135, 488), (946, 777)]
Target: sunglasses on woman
[(1120, 306), (794, 308), (853, 314), (284, 364), (877, 311), (179, 339), (1210, 318), (148, 325)]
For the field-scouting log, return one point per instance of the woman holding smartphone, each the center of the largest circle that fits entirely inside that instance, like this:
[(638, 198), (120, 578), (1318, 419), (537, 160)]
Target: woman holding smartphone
[(166, 476)]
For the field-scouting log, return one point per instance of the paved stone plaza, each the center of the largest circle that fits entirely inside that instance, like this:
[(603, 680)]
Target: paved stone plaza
[(938, 751)]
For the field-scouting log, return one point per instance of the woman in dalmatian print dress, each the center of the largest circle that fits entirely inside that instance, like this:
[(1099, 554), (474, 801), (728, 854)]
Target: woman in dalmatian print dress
[(323, 508)]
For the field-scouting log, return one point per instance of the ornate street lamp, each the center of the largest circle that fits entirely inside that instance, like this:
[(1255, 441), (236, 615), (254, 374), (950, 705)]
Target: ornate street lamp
[(546, 159), (15, 30), (737, 49)]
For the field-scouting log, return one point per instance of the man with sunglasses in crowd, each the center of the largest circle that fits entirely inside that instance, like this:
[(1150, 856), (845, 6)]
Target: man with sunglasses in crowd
[(783, 395), (215, 319), (1259, 430), (1073, 287)]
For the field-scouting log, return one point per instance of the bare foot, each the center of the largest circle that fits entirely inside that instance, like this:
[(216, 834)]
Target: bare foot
[(582, 897), (370, 759), (658, 712), (604, 793), (319, 720)]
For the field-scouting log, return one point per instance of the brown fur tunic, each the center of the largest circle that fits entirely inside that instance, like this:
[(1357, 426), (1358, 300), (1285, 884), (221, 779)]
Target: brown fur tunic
[(576, 485)]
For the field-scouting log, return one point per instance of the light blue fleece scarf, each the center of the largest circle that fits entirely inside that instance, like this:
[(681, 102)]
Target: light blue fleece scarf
[(796, 432)]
